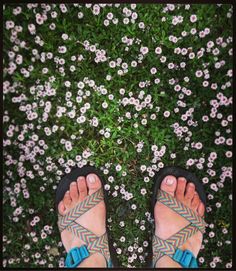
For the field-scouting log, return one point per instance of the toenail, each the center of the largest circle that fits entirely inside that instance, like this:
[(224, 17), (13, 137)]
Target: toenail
[(169, 181), (91, 179), (182, 180), (191, 184)]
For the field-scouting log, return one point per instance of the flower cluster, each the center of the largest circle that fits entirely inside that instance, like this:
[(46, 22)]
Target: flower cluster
[(129, 89)]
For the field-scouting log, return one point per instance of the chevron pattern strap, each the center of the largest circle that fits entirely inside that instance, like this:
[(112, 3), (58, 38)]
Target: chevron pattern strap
[(157, 245), (100, 245), (94, 243), (163, 246), (179, 238), (82, 233), (181, 209), (168, 247), (79, 209)]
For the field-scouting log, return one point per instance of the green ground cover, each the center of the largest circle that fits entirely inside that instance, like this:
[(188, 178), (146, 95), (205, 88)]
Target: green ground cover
[(129, 89)]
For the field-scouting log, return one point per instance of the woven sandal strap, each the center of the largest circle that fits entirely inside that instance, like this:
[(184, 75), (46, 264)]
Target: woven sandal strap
[(181, 209), (162, 246), (82, 233), (179, 238), (94, 243), (100, 245), (81, 208), (168, 247)]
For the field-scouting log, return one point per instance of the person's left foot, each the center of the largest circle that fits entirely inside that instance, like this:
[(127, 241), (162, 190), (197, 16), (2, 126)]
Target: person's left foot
[(94, 219), (168, 222)]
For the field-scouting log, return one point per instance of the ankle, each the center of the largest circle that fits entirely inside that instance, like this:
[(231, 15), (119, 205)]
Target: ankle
[(95, 260), (166, 261)]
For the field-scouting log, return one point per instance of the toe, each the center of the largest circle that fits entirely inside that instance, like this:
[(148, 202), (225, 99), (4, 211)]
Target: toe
[(82, 187), (189, 193), (169, 184), (67, 199), (201, 209), (93, 183), (195, 201), (181, 184), (61, 208), (74, 192)]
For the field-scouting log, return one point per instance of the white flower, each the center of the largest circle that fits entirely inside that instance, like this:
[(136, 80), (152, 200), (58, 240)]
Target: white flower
[(64, 36), (107, 187), (166, 114), (118, 167), (141, 25), (107, 134), (126, 20), (153, 70), (118, 251), (130, 248), (122, 224), (80, 85), (68, 146), (109, 16), (122, 239), (143, 191), (134, 63), (80, 15), (198, 73), (104, 104), (62, 49), (142, 227), (144, 50), (112, 64), (193, 18)]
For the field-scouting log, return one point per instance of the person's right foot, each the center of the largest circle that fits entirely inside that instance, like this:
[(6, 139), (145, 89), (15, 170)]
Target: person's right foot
[(164, 216), (93, 220)]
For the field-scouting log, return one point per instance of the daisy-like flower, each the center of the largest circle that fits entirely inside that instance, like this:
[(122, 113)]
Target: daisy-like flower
[(144, 50), (193, 18)]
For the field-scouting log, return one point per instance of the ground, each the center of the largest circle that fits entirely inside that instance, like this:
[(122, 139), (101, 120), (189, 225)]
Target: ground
[(128, 88)]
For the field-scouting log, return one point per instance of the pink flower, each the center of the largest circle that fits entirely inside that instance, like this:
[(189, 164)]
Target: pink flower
[(228, 154), (190, 162), (193, 18), (198, 73), (166, 114), (198, 145), (144, 50), (158, 50)]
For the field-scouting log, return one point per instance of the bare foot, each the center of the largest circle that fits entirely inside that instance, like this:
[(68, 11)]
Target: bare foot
[(94, 219), (168, 222)]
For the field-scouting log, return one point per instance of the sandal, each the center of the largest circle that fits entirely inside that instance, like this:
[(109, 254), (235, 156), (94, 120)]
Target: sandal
[(94, 243), (170, 246)]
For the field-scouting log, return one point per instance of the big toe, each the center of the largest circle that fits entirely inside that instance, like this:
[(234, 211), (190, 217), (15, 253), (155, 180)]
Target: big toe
[(93, 183), (169, 184)]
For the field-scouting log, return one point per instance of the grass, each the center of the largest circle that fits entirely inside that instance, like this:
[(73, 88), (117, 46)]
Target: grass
[(39, 174)]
